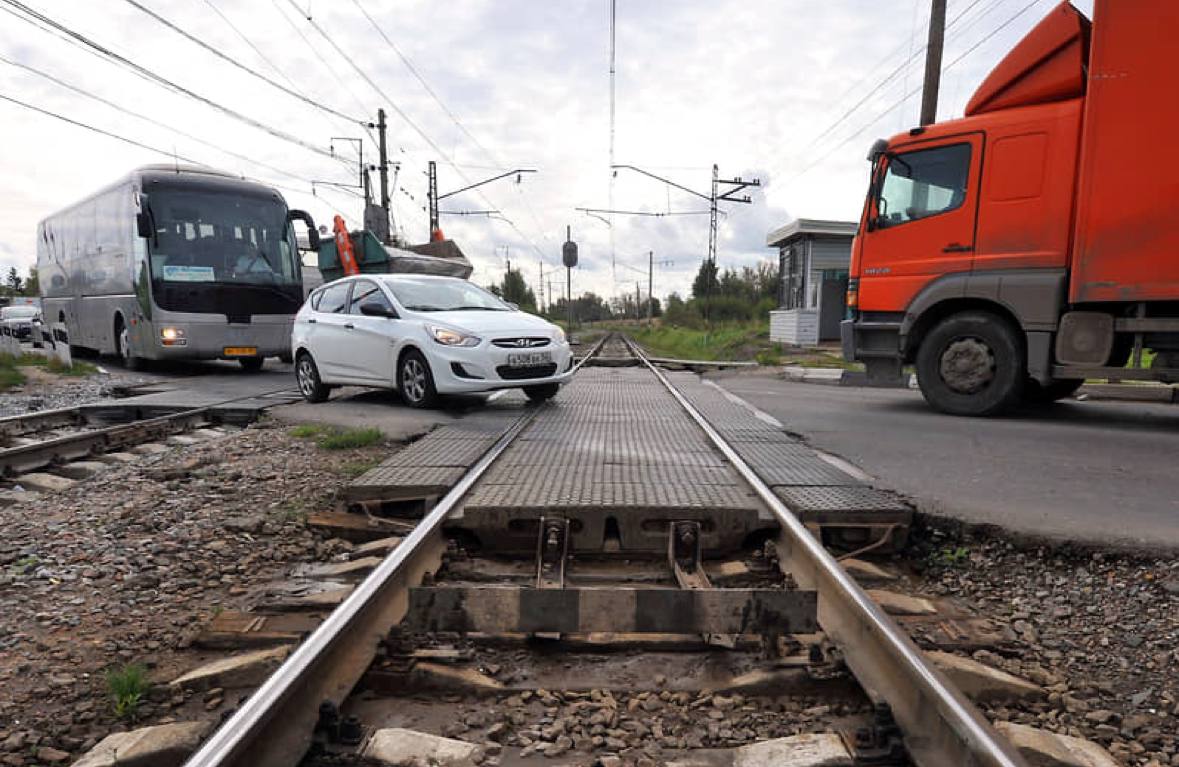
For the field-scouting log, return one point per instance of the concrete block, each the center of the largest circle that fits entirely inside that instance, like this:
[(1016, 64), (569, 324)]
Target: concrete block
[(80, 469), (824, 750), (43, 483), (355, 568), (116, 458), (377, 548), (399, 747), (149, 448), (901, 604), (164, 745), (246, 670), (438, 676), (866, 571), (1048, 749), (981, 682)]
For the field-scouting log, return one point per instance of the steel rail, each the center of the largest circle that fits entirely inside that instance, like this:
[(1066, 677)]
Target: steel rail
[(274, 726), (942, 728), (23, 458)]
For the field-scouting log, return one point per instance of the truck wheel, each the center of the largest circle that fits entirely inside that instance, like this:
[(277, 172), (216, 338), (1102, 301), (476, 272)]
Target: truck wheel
[(971, 364), (1038, 394)]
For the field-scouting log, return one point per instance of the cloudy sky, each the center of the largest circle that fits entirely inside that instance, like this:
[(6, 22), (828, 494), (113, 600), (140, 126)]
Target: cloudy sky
[(788, 91)]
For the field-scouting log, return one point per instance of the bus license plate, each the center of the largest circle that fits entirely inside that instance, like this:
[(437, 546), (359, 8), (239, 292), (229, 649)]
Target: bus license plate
[(240, 351), (529, 359)]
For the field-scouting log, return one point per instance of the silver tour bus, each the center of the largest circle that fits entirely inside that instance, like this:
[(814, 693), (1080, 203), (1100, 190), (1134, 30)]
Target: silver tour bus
[(175, 262)]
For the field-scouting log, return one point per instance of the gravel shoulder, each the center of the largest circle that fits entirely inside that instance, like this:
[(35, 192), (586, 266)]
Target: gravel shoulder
[(126, 566), (1098, 629)]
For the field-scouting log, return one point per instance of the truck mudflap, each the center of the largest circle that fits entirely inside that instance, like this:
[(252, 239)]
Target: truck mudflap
[(877, 344)]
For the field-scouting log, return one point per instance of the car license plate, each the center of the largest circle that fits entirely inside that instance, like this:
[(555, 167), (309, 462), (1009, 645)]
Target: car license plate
[(529, 359), (240, 351)]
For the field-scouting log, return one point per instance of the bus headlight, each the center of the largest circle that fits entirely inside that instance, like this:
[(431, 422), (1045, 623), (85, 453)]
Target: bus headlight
[(172, 337)]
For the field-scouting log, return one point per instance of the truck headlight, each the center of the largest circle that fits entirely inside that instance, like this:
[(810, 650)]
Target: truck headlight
[(448, 337)]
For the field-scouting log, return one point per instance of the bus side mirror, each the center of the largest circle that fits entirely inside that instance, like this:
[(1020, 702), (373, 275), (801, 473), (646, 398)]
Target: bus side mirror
[(312, 232), (143, 224)]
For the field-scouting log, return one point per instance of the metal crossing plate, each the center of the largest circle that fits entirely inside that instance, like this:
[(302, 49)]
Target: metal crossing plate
[(401, 482), (558, 495), (805, 498)]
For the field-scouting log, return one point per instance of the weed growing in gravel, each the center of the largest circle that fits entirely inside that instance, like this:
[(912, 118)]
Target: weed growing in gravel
[(76, 369), (128, 686), (952, 557), (344, 439), (307, 430), (10, 377)]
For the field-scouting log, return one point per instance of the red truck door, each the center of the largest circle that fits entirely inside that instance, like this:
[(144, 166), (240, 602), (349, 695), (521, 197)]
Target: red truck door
[(921, 220)]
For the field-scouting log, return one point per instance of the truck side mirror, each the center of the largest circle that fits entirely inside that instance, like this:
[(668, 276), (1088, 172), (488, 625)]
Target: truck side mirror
[(312, 232)]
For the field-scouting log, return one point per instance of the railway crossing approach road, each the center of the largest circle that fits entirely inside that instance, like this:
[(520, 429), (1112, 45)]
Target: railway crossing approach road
[(1089, 471)]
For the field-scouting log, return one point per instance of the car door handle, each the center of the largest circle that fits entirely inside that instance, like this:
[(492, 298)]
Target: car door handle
[(954, 247), (349, 325), (311, 321)]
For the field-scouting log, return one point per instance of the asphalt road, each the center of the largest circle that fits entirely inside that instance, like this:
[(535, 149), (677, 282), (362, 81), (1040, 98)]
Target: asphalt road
[(1092, 471)]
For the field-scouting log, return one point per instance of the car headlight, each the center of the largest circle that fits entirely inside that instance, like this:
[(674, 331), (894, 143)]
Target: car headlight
[(558, 335), (448, 337)]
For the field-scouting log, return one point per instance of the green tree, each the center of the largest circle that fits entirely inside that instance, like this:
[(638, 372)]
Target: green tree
[(706, 284), (13, 281), (515, 289), (33, 283)]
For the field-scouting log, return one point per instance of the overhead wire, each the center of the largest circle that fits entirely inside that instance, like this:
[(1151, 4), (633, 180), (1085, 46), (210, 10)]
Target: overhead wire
[(160, 79), (147, 118)]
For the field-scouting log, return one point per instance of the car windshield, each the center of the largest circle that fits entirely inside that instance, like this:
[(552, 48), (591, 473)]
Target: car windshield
[(220, 238), (18, 312), (443, 295)]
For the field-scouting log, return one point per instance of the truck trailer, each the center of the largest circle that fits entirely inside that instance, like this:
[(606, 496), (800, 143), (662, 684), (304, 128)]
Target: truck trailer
[(1013, 253)]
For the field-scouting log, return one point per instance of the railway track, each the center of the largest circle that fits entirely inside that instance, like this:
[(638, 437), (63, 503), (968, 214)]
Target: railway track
[(611, 565), (51, 439)]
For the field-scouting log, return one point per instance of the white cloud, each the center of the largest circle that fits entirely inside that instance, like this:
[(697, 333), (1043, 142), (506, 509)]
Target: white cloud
[(747, 84)]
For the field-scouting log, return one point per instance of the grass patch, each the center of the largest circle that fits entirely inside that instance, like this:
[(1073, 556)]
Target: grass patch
[(10, 377), (335, 438), (306, 430), (77, 369), (344, 439), (128, 685), (734, 341)]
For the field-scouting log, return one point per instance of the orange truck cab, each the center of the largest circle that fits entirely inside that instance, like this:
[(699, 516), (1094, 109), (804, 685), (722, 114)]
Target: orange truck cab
[(1033, 243)]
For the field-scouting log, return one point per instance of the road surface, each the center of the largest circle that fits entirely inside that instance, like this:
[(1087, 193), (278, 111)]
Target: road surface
[(1093, 471)]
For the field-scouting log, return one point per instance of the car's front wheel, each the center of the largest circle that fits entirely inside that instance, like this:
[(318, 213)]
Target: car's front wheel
[(307, 375), (415, 382), (542, 392)]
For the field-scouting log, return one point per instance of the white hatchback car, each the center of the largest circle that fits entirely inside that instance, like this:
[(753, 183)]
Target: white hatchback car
[(423, 336)]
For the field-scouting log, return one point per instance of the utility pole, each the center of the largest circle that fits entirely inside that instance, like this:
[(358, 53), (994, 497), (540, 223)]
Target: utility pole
[(712, 211), (432, 196), (638, 300), (383, 167), (650, 287), (540, 298), (933, 62)]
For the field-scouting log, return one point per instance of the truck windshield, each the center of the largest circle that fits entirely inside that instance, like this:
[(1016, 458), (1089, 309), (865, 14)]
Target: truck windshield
[(923, 183), (207, 237)]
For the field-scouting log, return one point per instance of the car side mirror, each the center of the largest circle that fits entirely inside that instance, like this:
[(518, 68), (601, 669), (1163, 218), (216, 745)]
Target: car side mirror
[(377, 309)]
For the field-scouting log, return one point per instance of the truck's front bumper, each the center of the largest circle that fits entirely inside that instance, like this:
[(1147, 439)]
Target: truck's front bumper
[(878, 344)]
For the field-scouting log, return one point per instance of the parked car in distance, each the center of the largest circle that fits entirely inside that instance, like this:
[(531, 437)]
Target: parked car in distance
[(424, 336), (25, 321)]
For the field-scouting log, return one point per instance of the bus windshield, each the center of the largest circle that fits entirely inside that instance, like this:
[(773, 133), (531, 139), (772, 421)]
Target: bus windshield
[(205, 237)]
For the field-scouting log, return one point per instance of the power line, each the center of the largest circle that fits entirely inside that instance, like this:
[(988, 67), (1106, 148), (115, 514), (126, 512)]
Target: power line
[(234, 62), (100, 131), (131, 113), (246, 39), (911, 93), (160, 80)]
